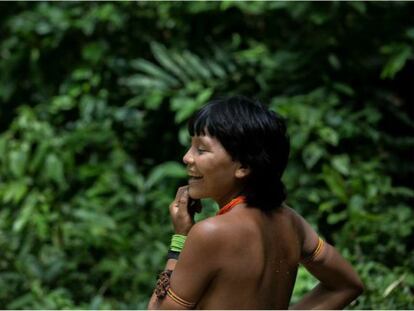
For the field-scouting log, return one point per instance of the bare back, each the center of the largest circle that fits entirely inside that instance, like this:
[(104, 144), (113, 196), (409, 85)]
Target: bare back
[(248, 260), (258, 260)]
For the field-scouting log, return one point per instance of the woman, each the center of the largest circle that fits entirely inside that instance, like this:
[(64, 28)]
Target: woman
[(247, 256)]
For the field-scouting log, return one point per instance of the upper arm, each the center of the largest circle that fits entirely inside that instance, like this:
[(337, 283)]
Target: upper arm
[(332, 270), (196, 265), (308, 236), (329, 267)]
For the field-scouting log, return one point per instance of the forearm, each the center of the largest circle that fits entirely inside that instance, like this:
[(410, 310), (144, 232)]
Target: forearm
[(154, 302), (322, 298), (182, 222), (339, 283)]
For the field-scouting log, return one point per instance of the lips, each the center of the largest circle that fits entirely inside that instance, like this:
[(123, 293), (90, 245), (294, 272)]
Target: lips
[(194, 178)]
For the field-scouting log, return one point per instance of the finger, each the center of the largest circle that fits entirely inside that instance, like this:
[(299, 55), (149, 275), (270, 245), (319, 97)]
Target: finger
[(180, 192), (173, 208), (183, 202), (174, 204)]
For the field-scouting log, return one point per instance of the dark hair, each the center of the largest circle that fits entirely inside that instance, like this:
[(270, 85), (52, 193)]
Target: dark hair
[(253, 135)]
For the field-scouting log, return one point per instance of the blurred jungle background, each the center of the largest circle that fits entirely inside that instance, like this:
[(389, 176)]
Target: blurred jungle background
[(94, 102)]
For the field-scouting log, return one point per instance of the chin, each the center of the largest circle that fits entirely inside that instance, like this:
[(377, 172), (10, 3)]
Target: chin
[(196, 195)]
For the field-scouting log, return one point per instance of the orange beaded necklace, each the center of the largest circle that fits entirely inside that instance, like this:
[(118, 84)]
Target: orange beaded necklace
[(226, 208)]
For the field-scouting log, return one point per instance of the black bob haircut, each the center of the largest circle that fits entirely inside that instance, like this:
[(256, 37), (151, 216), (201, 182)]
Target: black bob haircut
[(253, 135)]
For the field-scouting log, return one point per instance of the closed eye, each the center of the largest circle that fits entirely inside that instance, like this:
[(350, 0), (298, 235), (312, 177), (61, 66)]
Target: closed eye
[(200, 150)]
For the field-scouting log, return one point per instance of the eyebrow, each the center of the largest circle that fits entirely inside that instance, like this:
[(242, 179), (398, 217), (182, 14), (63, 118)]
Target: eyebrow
[(200, 139)]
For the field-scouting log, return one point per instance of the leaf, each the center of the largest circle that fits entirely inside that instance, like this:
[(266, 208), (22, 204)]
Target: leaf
[(399, 54), (334, 61), (312, 154), (163, 57), (94, 51), (98, 221), (401, 192), (184, 107), (335, 183), (15, 191), (3, 148), (253, 54), (360, 7), (300, 137), (204, 96), (327, 206), (222, 57), (183, 136), (356, 204), (165, 170), (197, 65), (154, 100), (215, 68), (140, 81), (329, 135), (183, 65), (26, 212), (54, 169), (393, 285), (344, 88), (155, 71), (39, 156), (341, 163), (18, 161), (334, 218)]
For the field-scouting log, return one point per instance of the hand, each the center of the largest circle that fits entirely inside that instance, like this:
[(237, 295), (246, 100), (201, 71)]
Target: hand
[(182, 217)]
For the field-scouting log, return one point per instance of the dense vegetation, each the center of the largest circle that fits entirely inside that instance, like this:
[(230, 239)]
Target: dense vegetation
[(94, 101)]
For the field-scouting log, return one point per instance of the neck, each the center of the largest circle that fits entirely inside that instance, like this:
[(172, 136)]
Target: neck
[(229, 206), (228, 197)]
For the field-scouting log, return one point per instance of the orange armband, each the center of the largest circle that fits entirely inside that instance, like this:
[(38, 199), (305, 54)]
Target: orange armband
[(179, 300), (315, 253)]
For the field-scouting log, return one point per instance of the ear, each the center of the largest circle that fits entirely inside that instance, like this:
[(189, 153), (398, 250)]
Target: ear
[(242, 171)]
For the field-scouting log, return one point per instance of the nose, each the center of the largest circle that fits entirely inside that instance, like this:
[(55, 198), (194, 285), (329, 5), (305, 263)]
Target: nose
[(188, 158)]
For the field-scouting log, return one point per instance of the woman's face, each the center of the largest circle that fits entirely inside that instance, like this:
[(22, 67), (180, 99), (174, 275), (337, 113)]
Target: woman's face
[(212, 172)]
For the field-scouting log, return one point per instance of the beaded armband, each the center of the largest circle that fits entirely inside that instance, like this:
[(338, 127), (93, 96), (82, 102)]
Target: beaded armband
[(163, 284), (163, 289)]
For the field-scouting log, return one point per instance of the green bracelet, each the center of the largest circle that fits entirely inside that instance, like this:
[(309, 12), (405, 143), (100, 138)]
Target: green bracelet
[(177, 242)]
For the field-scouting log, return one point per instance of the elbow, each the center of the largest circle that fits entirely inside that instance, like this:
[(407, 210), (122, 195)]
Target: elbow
[(152, 304), (353, 290), (361, 288), (357, 289)]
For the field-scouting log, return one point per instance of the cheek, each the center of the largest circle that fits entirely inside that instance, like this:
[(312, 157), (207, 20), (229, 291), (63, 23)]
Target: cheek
[(220, 176)]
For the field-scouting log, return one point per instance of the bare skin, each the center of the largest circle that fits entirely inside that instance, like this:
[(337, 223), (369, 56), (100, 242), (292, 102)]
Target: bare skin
[(247, 259)]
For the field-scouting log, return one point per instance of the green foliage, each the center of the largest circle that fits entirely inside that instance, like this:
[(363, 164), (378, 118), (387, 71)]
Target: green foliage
[(94, 102)]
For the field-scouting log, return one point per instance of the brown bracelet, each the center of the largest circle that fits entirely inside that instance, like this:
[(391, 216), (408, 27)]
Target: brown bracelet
[(163, 284)]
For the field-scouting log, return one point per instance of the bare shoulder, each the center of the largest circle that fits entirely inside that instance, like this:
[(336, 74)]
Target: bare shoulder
[(204, 227), (308, 235), (209, 230), (295, 217), (289, 211)]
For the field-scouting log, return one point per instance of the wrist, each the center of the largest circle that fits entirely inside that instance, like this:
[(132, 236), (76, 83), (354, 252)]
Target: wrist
[(177, 242), (176, 246), (182, 230)]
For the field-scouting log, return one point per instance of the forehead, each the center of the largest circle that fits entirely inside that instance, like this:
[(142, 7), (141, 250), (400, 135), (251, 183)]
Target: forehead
[(205, 139), (208, 141)]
